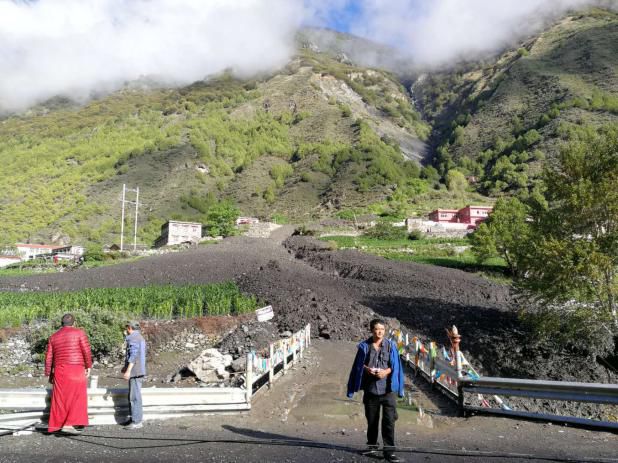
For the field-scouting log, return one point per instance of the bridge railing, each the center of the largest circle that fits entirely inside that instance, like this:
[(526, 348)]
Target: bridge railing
[(596, 393), (448, 369)]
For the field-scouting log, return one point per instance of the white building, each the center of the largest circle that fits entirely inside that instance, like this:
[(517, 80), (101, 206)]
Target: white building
[(175, 232), (33, 251)]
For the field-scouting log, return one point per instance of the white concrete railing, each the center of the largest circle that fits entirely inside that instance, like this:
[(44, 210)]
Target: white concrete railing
[(281, 354), (111, 406)]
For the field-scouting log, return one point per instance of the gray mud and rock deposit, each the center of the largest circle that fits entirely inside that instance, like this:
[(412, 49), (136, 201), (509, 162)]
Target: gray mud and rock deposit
[(338, 292)]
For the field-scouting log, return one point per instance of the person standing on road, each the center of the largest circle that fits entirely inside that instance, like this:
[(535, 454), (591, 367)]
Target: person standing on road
[(378, 372), (134, 371), (68, 361)]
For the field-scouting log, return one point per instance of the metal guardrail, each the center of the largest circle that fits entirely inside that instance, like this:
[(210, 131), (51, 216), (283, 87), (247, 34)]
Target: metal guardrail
[(539, 389), (111, 405), (451, 373)]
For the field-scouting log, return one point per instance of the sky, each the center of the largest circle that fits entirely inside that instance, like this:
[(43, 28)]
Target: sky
[(78, 48)]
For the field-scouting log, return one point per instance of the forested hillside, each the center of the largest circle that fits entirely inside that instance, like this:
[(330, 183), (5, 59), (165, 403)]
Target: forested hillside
[(319, 136), (323, 137), (499, 120)]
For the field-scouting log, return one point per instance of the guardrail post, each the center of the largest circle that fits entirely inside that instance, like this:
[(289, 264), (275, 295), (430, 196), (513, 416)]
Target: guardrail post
[(285, 355), (301, 340), (271, 365), (94, 382), (249, 377), (308, 329), (293, 350), (460, 399)]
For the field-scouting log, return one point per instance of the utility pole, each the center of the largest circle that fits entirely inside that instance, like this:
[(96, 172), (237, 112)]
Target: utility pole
[(136, 203)]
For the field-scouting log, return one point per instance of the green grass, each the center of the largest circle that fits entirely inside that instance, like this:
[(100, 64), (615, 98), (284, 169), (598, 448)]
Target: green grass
[(158, 302)]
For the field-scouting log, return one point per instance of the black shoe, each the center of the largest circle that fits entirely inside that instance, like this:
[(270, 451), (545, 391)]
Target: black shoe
[(392, 458), (371, 451)]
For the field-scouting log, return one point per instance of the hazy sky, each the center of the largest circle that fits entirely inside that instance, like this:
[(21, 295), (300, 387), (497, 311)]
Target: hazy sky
[(77, 47)]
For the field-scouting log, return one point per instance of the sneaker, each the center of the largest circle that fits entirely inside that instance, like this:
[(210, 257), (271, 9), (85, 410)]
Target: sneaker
[(134, 426), (392, 458), (70, 430), (371, 451)]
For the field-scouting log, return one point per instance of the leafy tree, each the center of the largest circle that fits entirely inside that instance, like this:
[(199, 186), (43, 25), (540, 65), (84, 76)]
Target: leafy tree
[(574, 256), (456, 182), (221, 219), (504, 234)]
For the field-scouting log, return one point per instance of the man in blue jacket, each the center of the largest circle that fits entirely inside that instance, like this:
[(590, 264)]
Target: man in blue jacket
[(378, 372), (134, 371)]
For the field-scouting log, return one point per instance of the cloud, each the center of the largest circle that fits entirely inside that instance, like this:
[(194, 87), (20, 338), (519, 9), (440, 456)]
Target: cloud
[(438, 32), (77, 47)]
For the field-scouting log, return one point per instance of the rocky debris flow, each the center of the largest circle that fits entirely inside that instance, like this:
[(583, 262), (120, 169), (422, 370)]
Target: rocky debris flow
[(210, 366), (250, 336), (338, 292), (16, 357)]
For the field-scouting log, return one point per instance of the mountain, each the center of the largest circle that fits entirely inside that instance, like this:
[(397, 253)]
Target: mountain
[(500, 119), (330, 134), (318, 136)]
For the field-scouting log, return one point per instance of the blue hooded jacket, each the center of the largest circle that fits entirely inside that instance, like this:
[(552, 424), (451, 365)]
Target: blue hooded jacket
[(394, 380)]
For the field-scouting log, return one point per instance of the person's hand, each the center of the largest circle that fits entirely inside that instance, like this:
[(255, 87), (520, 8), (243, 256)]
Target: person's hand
[(381, 374), (127, 375)]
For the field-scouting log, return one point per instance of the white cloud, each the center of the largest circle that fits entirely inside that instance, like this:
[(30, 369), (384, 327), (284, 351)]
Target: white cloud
[(437, 32), (76, 47)]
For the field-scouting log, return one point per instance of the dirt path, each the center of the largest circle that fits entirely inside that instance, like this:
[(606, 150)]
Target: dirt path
[(306, 417)]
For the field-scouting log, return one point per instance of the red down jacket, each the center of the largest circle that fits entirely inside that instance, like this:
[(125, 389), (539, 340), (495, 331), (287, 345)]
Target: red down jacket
[(68, 345)]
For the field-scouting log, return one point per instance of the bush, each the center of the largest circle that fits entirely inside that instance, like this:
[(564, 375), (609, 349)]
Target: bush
[(386, 231), (103, 327), (303, 230), (416, 235), (94, 253)]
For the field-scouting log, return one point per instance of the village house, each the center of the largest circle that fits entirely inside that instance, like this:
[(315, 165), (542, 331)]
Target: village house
[(176, 232), (450, 222), (35, 251)]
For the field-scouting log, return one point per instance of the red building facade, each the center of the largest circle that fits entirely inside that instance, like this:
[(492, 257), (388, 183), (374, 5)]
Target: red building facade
[(444, 215), (471, 215)]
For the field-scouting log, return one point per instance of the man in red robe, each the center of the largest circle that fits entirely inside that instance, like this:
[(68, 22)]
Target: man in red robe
[(67, 363)]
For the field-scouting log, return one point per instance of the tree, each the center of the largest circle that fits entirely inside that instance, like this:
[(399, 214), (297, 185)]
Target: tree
[(456, 182), (221, 219), (574, 253), (504, 234)]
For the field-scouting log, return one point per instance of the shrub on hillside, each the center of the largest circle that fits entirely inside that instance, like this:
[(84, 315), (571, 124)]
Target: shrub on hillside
[(103, 327), (386, 231), (416, 235)]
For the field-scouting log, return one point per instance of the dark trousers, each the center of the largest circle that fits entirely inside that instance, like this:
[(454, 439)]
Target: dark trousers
[(388, 404)]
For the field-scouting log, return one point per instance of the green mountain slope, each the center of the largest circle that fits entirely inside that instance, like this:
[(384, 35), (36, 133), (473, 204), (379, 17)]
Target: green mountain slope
[(319, 134), (497, 120), (319, 138)]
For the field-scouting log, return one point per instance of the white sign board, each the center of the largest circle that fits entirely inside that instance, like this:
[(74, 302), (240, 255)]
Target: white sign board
[(265, 313)]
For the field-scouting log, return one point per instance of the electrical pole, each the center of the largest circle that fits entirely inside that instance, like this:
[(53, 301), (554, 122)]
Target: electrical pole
[(136, 203), (135, 229), (124, 189)]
